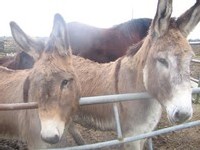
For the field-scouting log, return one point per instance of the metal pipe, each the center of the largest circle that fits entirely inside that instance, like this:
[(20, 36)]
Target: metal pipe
[(195, 90), (113, 98), (18, 106), (195, 60), (194, 43), (194, 80), (119, 97), (89, 100), (117, 120), (198, 95), (150, 144), (133, 138)]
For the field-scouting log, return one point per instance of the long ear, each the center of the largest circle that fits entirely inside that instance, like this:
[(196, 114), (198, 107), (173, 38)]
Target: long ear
[(162, 18), (28, 45), (187, 21), (59, 38)]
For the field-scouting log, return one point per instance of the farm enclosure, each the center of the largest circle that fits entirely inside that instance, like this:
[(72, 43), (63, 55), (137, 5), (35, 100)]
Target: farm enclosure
[(186, 139)]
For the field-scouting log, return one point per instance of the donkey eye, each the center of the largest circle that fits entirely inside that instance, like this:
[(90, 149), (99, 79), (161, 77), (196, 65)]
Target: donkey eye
[(163, 62), (65, 82)]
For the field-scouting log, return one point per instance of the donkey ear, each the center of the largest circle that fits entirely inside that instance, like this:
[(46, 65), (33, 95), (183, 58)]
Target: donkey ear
[(161, 20), (59, 38), (187, 21), (28, 45)]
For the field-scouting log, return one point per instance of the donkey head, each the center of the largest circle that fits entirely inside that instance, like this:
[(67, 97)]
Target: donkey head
[(52, 81), (167, 68)]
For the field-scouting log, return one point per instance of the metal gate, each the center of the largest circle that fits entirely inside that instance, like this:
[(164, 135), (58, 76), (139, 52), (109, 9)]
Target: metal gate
[(112, 99)]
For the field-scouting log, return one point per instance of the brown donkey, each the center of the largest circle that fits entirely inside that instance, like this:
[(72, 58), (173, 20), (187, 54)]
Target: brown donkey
[(51, 82), (161, 67)]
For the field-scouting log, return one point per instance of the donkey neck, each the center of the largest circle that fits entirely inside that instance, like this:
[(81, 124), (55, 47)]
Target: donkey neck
[(96, 79), (11, 85), (131, 70), (100, 79), (131, 81)]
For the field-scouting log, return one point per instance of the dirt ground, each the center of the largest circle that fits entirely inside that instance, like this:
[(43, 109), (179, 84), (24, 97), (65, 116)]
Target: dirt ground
[(187, 139)]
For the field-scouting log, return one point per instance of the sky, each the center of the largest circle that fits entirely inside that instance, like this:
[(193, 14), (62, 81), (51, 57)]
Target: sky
[(35, 17)]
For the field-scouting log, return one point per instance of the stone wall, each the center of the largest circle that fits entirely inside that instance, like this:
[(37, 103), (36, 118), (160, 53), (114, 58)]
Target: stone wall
[(1, 44), (10, 45)]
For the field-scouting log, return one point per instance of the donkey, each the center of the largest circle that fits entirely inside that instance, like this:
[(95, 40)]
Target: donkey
[(161, 67), (52, 83)]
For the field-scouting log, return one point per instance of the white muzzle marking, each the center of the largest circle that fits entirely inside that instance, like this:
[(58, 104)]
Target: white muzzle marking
[(179, 109), (52, 130)]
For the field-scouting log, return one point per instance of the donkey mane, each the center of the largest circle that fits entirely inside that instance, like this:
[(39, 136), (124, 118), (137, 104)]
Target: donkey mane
[(134, 48)]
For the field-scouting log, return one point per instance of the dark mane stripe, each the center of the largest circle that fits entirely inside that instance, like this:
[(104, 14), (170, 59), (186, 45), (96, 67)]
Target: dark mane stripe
[(118, 66), (26, 90)]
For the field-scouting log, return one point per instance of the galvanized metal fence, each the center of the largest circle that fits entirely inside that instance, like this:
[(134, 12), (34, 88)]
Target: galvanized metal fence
[(112, 99), (120, 140), (196, 81)]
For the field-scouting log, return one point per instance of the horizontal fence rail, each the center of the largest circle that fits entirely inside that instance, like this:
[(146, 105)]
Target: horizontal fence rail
[(18, 106), (132, 138), (194, 80), (194, 43), (120, 97), (89, 100), (196, 60)]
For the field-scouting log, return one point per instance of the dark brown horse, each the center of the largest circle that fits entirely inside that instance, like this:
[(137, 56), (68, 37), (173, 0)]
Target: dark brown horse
[(98, 44), (105, 45), (21, 60)]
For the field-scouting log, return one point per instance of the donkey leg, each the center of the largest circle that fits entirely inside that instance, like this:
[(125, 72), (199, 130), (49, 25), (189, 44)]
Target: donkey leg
[(76, 134)]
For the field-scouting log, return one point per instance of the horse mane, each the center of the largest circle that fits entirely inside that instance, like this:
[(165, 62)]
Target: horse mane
[(135, 24), (133, 49)]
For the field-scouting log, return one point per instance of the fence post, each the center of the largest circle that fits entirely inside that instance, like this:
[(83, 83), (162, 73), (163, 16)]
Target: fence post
[(197, 100), (150, 144), (117, 120)]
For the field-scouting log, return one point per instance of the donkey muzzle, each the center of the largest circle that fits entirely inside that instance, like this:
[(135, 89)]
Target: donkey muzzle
[(180, 115), (51, 131), (51, 139)]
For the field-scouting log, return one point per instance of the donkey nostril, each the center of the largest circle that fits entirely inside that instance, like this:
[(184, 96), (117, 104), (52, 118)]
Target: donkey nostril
[(181, 116), (177, 114), (52, 140)]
